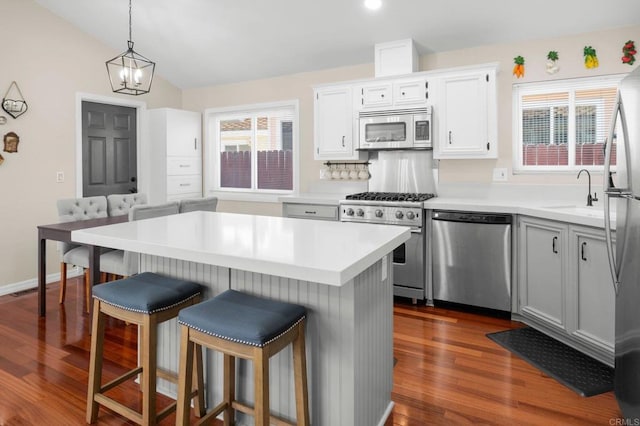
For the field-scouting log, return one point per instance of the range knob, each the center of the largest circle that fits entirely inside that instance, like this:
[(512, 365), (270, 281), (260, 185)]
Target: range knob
[(399, 215), (360, 212), (411, 215), (378, 213), (349, 212)]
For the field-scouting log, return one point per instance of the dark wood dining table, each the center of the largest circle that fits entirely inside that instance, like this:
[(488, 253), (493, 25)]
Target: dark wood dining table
[(62, 232)]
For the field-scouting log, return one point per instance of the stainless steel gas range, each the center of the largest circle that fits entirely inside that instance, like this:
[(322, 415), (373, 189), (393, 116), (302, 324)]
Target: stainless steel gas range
[(396, 208)]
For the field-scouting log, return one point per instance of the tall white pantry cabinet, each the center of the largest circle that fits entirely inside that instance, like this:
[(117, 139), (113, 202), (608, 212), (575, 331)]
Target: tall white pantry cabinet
[(175, 138)]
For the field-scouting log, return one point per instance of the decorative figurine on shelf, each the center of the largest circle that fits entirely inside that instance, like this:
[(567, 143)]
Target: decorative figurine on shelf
[(590, 57), (518, 69), (552, 62), (629, 50), (11, 141)]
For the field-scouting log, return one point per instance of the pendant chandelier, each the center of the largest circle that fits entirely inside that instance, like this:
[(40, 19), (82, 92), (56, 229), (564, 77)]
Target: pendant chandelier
[(130, 72)]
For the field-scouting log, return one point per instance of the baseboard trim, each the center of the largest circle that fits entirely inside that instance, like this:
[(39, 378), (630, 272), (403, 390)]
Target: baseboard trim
[(33, 282)]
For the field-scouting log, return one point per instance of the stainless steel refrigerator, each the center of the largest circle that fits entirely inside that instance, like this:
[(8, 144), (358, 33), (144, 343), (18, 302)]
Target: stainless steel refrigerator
[(625, 260)]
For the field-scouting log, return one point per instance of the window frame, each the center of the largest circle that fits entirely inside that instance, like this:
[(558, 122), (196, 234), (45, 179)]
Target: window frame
[(570, 86), (211, 157)]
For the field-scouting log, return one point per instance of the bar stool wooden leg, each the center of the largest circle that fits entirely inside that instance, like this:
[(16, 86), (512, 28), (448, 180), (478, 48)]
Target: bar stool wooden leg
[(300, 377), (261, 386), (95, 363), (184, 378), (149, 366), (229, 388), (198, 380)]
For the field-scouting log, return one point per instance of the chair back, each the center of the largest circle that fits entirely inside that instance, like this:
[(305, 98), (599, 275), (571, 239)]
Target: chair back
[(120, 204), (194, 204), (141, 212), (72, 209), (147, 211)]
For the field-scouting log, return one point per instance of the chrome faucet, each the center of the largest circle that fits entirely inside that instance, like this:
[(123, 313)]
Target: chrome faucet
[(590, 199)]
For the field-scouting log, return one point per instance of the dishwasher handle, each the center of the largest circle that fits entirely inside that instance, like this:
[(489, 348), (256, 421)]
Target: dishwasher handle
[(472, 217)]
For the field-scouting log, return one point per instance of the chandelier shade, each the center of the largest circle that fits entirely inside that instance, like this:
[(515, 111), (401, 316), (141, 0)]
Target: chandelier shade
[(130, 73)]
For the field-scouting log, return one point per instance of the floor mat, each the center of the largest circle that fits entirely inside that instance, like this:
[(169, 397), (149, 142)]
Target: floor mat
[(577, 371)]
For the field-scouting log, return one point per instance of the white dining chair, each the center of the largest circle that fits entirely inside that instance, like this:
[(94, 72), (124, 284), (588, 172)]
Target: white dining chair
[(195, 204), (123, 263), (69, 210), (120, 204)]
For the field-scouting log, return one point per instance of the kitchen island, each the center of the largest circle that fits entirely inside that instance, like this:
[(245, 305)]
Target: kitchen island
[(340, 271)]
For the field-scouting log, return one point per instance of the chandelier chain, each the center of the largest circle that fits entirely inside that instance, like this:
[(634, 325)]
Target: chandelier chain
[(130, 39)]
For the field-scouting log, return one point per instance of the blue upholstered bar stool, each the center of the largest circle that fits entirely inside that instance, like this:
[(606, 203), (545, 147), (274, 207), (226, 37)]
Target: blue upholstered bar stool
[(146, 299), (241, 325)]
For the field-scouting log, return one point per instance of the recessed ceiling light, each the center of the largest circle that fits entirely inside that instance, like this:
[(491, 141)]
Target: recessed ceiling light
[(373, 4)]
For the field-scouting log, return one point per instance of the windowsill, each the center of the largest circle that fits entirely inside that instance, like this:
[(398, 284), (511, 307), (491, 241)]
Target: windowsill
[(248, 196)]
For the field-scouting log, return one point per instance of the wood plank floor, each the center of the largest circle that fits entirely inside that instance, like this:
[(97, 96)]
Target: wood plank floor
[(447, 371)]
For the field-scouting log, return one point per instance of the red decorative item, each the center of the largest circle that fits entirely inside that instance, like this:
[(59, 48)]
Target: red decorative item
[(629, 50)]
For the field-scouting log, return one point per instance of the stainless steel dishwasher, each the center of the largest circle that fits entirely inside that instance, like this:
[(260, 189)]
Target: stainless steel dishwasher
[(471, 255)]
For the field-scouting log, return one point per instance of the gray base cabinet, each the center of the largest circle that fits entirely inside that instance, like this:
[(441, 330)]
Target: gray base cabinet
[(564, 284)]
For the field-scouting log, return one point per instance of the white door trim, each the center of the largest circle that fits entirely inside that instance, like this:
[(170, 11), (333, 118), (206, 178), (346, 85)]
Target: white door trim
[(140, 107)]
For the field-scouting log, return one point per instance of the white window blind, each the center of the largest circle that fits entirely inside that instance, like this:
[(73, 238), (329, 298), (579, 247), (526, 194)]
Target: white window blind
[(563, 124)]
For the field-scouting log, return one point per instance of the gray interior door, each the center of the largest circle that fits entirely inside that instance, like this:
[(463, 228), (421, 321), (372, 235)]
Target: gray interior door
[(108, 149)]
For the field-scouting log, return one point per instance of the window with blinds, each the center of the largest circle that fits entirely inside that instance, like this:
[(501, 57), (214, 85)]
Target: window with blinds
[(563, 124), (254, 148)]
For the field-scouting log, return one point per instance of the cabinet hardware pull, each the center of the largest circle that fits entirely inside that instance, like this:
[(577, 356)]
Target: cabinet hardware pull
[(309, 212), (184, 165), (343, 141), (582, 256), (553, 244), (402, 93), (185, 184), (449, 136), (195, 144), (382, 95)]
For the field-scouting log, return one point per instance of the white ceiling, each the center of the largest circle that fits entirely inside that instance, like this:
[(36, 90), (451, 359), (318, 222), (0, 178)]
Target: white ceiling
[(198, 43)]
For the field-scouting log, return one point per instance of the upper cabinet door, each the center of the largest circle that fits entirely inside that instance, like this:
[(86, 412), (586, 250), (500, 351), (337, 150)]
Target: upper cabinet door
[(333, 124), (410, 91), (466, 115), (376, 95), (183, 133)]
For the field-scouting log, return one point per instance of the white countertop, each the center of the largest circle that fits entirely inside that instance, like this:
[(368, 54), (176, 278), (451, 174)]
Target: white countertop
[(564, 211), (555, 210), (321, 251), (313, 198)]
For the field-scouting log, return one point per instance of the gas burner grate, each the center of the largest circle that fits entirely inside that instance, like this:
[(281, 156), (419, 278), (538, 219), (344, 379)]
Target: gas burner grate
[(391, 196)]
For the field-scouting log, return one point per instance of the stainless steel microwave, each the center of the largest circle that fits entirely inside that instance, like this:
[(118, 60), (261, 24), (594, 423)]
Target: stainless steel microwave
[(395, 129)]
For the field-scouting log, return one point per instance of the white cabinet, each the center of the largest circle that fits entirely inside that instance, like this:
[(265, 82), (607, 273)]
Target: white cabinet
[(543, 255), (593, 318), (335, 136), (565, 286), (175, 154), (393, 93), (466, 114)]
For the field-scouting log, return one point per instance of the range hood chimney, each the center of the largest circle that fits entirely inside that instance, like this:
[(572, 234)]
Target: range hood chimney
[(395, 58)]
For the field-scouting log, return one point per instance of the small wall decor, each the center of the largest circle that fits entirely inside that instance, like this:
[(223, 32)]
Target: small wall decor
[(15, 105), (11, 141), (1, 159), (3, 120), (590, 57), (629, 50), (518, 69), (552, 62)]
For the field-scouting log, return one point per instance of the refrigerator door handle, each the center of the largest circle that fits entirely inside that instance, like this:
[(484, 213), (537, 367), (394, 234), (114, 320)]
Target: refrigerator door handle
[(611, 192)]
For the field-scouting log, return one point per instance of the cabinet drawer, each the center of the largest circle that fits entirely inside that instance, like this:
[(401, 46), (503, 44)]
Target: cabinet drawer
[(183, 184), (183, 166), (310, 211)]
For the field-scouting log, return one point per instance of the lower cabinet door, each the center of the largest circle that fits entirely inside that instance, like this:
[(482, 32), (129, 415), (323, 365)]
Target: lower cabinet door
[(594, 313), (542, 273)]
